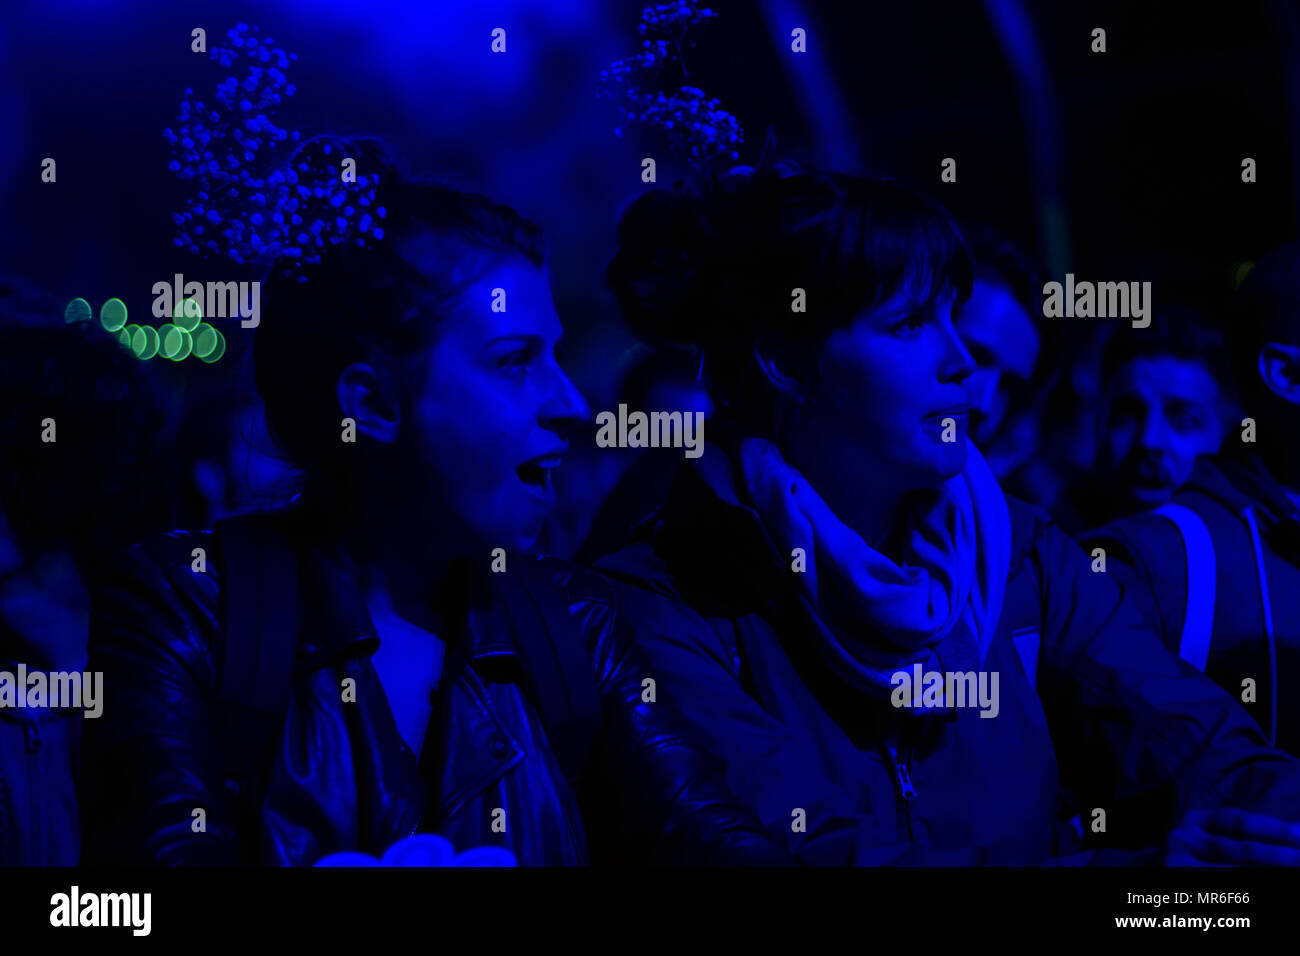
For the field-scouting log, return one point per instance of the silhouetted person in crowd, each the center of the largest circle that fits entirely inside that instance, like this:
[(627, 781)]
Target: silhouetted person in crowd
[(999, 325), (657, 381), (1217, 571), (897, 662), (77, 422), (1166, 400), (230, 463), (1029, 392), (384, 657)]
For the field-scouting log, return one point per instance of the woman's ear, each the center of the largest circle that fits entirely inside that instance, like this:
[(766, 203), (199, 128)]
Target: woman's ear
[(1279, 367), (368, 398), (775, 367)]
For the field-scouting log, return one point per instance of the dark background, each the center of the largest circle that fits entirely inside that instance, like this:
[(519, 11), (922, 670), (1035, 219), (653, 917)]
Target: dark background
[(1130, 171)]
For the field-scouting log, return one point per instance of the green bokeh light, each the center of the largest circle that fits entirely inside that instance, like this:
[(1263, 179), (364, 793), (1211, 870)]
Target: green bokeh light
[(219, 350), (187, 315), (78, 310), (124, 336), (112, 315), (144, 342), (205, 341), (185, 348), (169, 337)]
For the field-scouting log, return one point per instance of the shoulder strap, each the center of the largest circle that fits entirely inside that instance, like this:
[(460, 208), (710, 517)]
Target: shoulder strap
[(1022, 605), (560, 672), (259, 605), (1198, 618)]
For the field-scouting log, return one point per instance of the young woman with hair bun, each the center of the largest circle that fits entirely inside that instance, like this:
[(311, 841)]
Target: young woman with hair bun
[(385, 657), (897, 662)]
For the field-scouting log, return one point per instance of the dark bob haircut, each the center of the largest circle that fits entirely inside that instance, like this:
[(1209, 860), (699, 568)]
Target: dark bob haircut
[(718, 270)]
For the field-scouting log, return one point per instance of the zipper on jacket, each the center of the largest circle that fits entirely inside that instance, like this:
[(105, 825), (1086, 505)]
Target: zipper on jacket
[(898, 758), (905, 782)]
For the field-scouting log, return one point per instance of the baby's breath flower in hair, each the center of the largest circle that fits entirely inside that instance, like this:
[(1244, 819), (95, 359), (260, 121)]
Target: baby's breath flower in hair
[(698, 129), (252, 203)]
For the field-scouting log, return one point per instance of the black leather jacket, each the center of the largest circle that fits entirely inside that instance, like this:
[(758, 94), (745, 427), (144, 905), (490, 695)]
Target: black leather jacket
[(341, 777)]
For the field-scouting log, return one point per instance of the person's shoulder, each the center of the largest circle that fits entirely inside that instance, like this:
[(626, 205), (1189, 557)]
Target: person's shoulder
[(170, 548), (1142, 533), (181, 569), (572, 580), (652, 605), (1037, 536), (165, 557), (1030, 525), (193, 554), (597, 595), (1025, 514), (1034, 527), (639, 565), (157, 599)]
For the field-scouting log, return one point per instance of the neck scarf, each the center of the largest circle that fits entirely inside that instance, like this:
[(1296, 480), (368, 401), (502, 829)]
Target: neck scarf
[(939, 608)]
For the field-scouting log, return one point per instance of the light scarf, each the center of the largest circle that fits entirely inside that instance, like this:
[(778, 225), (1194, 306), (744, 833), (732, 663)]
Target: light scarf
[(938, 609)]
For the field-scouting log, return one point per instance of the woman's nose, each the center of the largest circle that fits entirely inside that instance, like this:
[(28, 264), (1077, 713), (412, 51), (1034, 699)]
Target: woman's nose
[(566, 407), (958, 364)]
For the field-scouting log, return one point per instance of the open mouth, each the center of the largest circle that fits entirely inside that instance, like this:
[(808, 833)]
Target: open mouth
[(535, 475), (957, 413), (951, 425)]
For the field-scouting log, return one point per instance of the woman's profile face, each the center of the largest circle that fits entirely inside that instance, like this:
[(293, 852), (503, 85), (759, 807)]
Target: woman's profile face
[(892, 394), (493, 409)]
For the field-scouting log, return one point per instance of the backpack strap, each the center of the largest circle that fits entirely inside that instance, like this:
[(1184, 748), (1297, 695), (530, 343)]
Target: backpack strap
[(1198, 617), (560, 674), (259, 606), (1022, 605), (1027, 635)]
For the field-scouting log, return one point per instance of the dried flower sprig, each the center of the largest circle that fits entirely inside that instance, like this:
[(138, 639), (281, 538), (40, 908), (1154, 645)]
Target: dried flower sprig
[(698, 129), (249, 205)]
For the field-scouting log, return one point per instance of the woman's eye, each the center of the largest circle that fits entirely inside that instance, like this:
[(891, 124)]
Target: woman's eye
[(1186, 417), (513, 360), (911, 323)]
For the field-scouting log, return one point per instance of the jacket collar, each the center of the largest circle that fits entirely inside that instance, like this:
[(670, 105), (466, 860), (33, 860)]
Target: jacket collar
[(710, 535), (336, 621), (724, 563)]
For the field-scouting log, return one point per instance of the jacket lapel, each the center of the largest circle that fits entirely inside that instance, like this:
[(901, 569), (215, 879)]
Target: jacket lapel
[(475, 749)]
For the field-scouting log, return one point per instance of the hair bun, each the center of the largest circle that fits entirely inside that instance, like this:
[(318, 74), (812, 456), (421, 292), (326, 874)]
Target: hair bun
[(664, 243), (324, 157), (681, 254), (331, 192)]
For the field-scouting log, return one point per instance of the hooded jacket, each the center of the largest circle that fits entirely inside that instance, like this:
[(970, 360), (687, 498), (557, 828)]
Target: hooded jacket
[(1255, 530), (1093, 715), (341, 777)]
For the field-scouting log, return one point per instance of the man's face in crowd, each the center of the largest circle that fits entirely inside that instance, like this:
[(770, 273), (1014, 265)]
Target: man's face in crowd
[(1158, 414), (1000, 335)]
